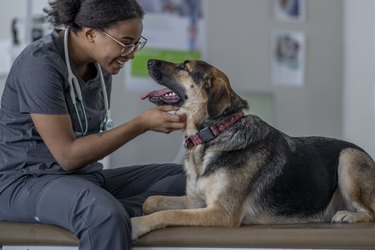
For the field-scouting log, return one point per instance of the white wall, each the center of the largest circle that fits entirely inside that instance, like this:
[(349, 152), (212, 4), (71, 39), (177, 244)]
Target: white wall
[(359, 73), (246, 27)]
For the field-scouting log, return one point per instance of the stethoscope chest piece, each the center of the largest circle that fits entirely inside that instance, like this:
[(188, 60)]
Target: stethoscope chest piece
[(106, 124)]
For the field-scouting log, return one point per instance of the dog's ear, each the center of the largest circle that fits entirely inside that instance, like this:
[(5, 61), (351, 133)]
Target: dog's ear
[(218, 96)]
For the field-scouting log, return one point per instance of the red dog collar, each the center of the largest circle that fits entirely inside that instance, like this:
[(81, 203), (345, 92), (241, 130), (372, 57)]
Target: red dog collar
[(208, 133)]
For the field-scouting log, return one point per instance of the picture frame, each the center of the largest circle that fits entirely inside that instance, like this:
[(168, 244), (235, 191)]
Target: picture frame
[(288, 58), (290, 10)]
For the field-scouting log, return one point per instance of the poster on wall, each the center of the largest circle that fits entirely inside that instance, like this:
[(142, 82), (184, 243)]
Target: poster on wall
[(175, 31), (290, 10), (288, 58)]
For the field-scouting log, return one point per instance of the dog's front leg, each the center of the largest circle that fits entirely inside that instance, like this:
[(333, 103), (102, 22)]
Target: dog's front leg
[(187, 217), (159, 202)]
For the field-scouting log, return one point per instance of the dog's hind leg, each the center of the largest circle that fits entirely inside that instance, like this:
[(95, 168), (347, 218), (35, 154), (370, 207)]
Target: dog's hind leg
[(356, 175)]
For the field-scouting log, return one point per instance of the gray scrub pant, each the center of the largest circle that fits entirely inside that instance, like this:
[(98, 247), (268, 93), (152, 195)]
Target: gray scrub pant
[(96, 207)]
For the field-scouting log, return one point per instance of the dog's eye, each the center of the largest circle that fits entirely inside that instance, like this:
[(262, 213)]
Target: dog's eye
[(183, 66)]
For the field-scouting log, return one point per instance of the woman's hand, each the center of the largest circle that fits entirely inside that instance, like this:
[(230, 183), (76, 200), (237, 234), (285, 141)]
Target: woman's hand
[(158, 119)]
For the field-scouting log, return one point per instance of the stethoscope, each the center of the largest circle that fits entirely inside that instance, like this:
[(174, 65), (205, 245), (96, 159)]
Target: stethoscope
[(76, 94)]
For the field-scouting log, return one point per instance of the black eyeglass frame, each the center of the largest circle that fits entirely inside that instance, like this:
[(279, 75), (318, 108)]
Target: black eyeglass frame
[(128, 48)]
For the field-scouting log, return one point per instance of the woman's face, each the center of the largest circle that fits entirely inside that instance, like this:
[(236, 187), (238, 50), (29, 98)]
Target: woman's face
[(109, 44)]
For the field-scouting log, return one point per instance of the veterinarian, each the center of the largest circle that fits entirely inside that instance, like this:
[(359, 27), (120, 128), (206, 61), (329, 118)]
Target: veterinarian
[(54, 127)]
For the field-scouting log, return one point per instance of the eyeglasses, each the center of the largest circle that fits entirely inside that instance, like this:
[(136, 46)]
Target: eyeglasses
[(128, 48)]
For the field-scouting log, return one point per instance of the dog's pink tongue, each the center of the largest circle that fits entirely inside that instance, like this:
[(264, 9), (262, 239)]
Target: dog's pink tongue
[(156, 93)]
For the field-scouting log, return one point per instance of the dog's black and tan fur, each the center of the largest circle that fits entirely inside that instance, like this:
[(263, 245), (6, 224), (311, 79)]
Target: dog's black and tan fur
[(252, 173)]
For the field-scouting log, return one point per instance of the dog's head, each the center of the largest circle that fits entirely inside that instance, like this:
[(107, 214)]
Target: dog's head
[(198, 88)]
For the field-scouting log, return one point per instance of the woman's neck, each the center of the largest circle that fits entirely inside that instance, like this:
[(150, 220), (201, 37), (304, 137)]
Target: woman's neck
[(83, 65), (87, 71)]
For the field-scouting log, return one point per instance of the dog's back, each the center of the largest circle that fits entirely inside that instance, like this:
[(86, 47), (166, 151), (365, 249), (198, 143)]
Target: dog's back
[(289, 179)]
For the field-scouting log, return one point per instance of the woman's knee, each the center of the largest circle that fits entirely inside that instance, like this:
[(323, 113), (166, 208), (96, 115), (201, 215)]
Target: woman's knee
[(100, 209), (100, 219)]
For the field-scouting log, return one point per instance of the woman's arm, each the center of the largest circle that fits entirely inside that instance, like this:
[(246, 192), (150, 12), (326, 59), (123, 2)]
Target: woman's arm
[(73, 153)]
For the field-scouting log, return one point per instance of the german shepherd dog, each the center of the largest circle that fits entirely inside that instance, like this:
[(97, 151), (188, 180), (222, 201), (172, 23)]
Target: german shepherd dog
[(240, 170)]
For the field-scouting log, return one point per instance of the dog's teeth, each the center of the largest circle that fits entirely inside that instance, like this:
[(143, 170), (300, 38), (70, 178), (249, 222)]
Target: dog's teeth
[(170, 94)]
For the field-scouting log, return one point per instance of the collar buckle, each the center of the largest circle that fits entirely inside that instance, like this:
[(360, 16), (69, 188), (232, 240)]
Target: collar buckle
[(208, 133)]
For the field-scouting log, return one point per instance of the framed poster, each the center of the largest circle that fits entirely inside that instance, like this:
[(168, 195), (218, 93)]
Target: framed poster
[(288, 58), (175, 30), (290, 10)]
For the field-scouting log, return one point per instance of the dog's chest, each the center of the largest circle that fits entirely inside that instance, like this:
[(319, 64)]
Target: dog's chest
[(197, 161), (195, 166)]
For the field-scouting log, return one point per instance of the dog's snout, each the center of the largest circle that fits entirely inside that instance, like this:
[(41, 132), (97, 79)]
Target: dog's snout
[(153, 63), (154, 66)]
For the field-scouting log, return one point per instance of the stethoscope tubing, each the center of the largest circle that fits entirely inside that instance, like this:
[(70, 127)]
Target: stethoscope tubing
[(76, 94)]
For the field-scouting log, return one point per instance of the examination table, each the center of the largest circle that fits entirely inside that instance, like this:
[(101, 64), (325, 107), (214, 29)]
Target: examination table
[(21, 236)]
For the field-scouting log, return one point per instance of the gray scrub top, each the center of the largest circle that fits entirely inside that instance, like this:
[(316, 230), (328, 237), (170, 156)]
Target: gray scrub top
[(37, 83)]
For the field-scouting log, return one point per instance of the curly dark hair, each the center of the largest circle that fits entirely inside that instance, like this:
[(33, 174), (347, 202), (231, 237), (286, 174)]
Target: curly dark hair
[(99, 14)]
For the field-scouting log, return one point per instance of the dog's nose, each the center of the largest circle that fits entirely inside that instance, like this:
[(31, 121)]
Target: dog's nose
[(153, 63)]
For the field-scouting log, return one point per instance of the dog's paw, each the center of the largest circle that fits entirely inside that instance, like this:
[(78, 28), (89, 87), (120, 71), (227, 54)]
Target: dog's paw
[(350, 217), (152, 204), (139, 227)]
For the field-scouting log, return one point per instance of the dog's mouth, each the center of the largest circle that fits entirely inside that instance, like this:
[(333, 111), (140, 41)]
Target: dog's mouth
[(162, 72), (164, 96)]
